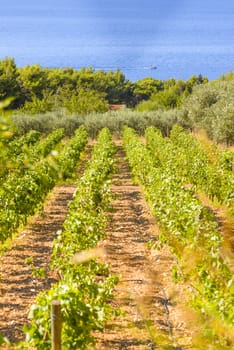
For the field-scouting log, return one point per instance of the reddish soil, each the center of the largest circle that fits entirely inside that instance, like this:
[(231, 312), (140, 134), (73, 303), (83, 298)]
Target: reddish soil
[(145, 293), (18, 284), (153, 312), (18, 287)]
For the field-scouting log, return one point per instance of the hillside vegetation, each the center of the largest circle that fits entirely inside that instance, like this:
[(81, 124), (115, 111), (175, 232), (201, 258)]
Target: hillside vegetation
[(48, 98)]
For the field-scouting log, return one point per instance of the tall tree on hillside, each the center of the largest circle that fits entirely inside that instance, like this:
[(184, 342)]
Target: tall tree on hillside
[(145, 88), (34, 80), (9, 82)]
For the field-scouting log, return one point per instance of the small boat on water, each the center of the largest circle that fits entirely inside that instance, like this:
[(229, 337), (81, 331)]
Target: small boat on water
[(151, 67)]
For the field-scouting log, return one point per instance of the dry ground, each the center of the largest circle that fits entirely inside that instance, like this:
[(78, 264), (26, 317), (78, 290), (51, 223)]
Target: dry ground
[(152, 317), (31, 251), (18, 287), (153, 309)]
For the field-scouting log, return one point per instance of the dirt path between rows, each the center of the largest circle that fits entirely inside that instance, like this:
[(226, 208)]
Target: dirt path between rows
[(30, 252), (152, 319), (18, 287), (153, 316)]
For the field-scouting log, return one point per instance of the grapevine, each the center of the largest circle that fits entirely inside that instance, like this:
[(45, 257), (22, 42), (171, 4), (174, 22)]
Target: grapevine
[(84, 289), (186, 225)]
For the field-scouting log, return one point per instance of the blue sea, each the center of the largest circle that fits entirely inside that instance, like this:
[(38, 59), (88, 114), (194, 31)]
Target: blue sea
[(143, 38)]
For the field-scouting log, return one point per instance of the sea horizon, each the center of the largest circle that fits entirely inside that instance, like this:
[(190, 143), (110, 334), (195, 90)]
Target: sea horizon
[(176, 40)]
